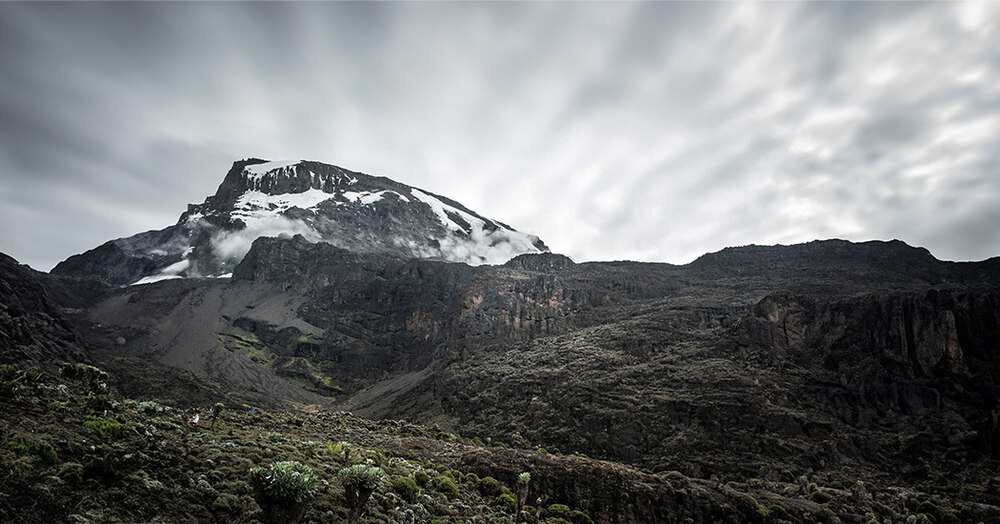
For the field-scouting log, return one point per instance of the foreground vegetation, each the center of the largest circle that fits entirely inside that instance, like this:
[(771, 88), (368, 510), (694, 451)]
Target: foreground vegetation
[(74, 451)]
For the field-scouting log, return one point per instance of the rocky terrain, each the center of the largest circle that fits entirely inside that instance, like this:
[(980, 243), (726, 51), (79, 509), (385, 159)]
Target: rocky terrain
[(829, 381)]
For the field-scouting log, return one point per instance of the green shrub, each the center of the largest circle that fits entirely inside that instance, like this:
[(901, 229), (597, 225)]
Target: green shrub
[(19, 448), (471, 479), (283, 490), (489, 487), (9, 372), (777, 512), (100, 403), (96, 379), (12, 381), (361, 475), (285, 481), (578, 517), (422, 478), (557, 520), (940, 515), (71, 472), (40, 450), (359, 482), (820, 497), (45, 453), (99, 468), (407, 488), (506, 502), (227, 504), (21, 467), (446, 485), (560, 511), (150, 407), (436, 467), (339, 451), (102, 427)]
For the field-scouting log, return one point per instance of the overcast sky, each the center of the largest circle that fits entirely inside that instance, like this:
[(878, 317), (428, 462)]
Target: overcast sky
[(652, 131)]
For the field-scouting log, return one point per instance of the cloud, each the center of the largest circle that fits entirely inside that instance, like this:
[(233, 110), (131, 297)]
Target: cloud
[(652, 131), (233, 245)]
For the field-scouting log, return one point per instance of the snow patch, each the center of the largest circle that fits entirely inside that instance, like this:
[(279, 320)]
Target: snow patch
[(167, 273), (257, 170), (367, 197), (477, 245), (252, 201), (440, 209), (154, 278)]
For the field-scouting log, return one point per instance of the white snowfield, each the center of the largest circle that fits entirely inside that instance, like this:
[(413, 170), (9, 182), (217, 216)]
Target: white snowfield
[(259, 170), (264, 215)]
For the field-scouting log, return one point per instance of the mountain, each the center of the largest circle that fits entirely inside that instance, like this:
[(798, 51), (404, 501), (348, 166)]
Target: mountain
[(829, 381), (321, 202)]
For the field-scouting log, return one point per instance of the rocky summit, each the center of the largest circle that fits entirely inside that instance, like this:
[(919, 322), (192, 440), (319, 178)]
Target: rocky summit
[(376, 353), (321, 202)]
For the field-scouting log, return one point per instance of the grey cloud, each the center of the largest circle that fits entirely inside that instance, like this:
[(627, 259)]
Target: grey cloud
[(655, 131)]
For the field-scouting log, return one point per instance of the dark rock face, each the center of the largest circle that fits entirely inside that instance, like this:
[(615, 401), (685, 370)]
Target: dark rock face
[(32, 328), (351, 210)]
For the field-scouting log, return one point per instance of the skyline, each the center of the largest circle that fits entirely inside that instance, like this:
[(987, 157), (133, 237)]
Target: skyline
[(651, 131)]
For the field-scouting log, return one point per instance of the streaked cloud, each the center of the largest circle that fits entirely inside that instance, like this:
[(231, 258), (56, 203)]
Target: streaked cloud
[(651, 131)]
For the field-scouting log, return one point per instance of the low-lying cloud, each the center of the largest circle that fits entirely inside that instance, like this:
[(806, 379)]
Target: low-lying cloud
[(233, 245)]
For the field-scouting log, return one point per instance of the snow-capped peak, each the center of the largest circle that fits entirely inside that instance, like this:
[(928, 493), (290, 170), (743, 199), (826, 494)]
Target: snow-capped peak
[(323, 203)]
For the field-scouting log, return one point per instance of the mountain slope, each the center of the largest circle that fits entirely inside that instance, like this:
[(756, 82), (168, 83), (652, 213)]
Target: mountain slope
[(321, 202), (801, 373)]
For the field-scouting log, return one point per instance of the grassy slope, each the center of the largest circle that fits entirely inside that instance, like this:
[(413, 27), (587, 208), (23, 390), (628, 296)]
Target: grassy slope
[(73, 451)]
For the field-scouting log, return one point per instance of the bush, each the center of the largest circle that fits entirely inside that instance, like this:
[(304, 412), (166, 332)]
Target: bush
[(820, 497), (561, 511), (71, 472), (422, 478), (506, 502), (102, 427), (283, 489), (445, 485), (471, 479), (776, 512), (361, 475), (579, 517), (96, 379), (939, 514), (285, 481), (100, 403), (359, 482), (150, 407), (339, 451), (45, 453), (407, 488), (99, 468), (489, 487)]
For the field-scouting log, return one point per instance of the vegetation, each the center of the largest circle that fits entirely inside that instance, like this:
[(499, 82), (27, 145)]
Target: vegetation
[(407, 488), (139, 461), (445, 484), (104, 428), (359, 481), (283, 489)]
